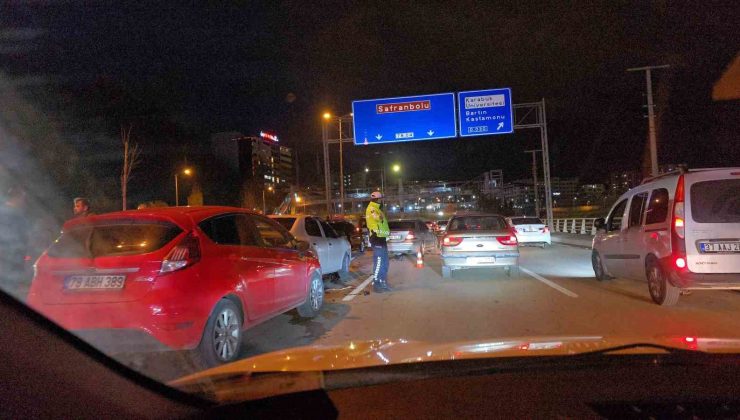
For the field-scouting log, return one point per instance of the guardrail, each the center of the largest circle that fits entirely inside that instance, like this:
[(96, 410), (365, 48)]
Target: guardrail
[(582, 226)]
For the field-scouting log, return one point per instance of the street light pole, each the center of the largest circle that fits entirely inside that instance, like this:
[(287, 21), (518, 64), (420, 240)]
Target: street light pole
[(382, 181), (264, 206), (327, 175), (651, 116), (382, 178), (186, 171), (341, 169)]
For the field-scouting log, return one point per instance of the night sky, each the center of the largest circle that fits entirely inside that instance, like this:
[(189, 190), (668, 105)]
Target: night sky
[(179, 74)]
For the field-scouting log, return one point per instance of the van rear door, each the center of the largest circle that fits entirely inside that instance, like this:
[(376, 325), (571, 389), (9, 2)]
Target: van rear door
[(713, 221)]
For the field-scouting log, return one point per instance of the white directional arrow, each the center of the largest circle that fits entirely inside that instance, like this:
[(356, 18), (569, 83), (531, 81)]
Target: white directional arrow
[(430, 132), (500, 126), (378, 137)]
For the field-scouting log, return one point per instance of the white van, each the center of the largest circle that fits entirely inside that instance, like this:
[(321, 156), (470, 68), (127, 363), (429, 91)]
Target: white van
[(679, 231)]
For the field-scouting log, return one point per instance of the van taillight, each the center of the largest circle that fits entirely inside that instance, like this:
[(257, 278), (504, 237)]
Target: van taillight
[(185, 254), (678, 226)]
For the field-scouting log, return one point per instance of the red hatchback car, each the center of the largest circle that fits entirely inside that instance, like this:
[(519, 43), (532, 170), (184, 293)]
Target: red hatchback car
[(189, 277)]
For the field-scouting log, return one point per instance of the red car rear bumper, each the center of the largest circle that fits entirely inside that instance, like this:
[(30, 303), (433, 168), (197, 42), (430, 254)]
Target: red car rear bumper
[(175, 319)]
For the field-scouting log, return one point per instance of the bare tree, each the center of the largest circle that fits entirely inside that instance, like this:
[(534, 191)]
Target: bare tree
[(131, 158)]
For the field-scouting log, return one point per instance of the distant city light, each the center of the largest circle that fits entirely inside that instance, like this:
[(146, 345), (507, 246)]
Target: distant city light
[(269, 136)]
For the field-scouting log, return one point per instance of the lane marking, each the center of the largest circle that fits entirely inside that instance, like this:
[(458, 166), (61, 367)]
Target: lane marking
[(550, 283), (358, 289)]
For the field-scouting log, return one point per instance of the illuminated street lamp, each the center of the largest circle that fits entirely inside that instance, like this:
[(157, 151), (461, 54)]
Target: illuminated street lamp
[(186, 171), (397, 169), (264, 207)]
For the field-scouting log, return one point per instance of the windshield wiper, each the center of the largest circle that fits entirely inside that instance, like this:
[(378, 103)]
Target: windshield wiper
[(667, 349)]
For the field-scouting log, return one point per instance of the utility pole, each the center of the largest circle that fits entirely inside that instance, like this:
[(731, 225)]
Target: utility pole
[(341, 169), (534, 179), (651, 115)]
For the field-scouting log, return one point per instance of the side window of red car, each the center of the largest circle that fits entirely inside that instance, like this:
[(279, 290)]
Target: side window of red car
[(221, 229), (229, 229)]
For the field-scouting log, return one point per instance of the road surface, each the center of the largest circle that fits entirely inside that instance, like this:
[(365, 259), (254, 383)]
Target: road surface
[(554, 294)]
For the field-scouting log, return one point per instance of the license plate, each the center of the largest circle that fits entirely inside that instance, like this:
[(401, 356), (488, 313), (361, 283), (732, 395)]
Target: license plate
[(394, 237), (480, 260), (94, 282), (720, 246)]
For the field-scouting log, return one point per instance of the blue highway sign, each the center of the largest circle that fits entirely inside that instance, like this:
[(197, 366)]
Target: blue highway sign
[(485, 112), (410, 118)]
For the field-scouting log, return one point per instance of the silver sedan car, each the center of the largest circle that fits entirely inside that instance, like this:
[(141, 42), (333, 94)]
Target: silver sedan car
[(408, 236), (479, 241)]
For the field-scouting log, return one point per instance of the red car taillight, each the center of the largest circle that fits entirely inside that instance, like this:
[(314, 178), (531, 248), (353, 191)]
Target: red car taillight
[(185, 254), (678, 226), (451, 241)]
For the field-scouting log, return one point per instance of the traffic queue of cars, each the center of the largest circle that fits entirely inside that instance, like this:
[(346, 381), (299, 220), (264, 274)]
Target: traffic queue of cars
[(185, 277), (182, 277), (198, 277)]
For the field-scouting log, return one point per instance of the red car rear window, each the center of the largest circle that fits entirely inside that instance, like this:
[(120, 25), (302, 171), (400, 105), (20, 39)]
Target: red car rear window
[(91, 241)]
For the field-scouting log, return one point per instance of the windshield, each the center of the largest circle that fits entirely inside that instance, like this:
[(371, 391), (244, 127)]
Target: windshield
[(153, 160), (401, 225), (476, 223)]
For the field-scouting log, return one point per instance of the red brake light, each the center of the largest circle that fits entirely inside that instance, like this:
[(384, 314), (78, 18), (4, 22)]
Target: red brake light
[(681, 262), (410, 236), (507, 240), (185, 254), (451, 241)]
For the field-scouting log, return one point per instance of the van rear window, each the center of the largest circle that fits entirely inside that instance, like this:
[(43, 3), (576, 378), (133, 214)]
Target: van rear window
[(102, 240), (716, 201)]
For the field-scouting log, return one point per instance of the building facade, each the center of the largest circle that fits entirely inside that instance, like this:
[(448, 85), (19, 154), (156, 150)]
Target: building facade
[(260, 162)]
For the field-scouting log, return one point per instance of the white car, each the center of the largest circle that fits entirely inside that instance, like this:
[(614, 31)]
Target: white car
[(677, 231), (333, 249), (530, 231)]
